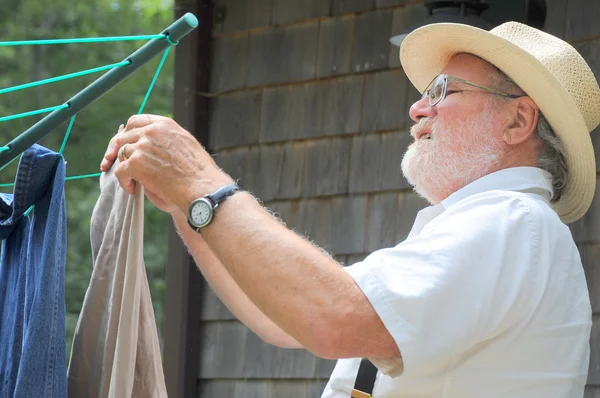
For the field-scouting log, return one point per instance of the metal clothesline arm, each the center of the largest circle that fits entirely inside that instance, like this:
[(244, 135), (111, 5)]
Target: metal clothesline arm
[(99, 87)]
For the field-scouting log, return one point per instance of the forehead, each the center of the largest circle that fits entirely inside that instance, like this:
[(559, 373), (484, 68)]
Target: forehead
[(471, 68)]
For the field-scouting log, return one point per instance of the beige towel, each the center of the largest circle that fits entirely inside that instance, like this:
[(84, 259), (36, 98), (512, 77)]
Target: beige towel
[(116, 350)]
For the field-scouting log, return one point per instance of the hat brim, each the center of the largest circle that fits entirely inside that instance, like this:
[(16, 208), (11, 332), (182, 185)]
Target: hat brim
[(425, 52)]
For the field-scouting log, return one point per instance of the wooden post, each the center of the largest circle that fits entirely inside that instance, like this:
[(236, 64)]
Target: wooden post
[(183, 280)]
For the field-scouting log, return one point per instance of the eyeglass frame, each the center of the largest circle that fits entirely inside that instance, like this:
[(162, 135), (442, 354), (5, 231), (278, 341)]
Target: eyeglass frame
[(446, 77)]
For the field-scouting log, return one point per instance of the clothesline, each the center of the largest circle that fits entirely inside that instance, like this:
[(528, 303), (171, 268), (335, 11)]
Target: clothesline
[(78, 177), (74, 75), (62, 113), (81, 40), (63, 77)]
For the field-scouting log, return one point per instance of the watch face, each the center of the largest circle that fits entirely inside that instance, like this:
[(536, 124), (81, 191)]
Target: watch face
[(201, 213)]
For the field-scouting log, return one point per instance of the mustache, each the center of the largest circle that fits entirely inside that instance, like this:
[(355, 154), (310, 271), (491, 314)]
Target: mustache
[(424, 123)]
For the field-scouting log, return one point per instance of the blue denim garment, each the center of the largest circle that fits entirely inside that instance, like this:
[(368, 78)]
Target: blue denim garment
[(32, 279)]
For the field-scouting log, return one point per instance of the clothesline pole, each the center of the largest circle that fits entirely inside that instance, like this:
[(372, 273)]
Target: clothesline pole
[(99, 87)]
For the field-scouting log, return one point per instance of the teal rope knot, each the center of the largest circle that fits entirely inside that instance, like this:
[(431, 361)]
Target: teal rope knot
[(171, 42)]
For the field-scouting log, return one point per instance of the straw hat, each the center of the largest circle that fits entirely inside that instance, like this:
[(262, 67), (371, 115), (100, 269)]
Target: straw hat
[(548, 69)]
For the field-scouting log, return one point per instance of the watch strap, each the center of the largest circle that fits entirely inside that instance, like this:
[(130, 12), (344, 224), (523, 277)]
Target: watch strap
[(222, 193)]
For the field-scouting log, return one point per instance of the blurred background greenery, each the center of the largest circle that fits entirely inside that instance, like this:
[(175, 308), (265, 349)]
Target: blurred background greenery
[(95, 125)]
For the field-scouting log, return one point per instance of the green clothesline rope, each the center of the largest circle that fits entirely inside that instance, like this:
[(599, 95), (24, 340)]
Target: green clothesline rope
[(178, 29), (71, 123), (31, 113), (63, 77), (67, 179), (151, 87), (67, 134), (80, 40)]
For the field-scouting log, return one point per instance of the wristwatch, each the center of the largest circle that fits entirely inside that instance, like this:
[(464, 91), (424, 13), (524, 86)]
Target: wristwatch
[(201, 210)]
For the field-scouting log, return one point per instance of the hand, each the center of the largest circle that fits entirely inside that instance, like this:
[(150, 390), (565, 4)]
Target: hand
[(109, 159), (166, 159), (170, 208)]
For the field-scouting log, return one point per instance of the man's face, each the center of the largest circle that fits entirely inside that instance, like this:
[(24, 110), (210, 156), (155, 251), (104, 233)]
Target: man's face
[(458, 140)]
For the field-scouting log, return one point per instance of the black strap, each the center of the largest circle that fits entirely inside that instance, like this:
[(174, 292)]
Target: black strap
[(365, 379), (222, 193)]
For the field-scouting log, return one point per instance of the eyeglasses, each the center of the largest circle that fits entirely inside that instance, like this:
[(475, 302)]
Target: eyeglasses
[(438, 88)]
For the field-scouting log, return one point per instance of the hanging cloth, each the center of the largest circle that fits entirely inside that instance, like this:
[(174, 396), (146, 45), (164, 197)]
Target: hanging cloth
[(32, 279), (115, 350)]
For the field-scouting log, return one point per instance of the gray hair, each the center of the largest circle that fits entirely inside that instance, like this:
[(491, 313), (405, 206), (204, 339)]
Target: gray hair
[(552, 157)]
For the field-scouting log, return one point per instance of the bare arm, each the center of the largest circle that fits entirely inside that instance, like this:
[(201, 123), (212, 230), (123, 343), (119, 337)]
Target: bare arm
[(295, 284), (291, 281), (227, 289)]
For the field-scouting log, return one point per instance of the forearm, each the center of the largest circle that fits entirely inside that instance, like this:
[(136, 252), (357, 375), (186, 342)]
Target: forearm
[(294, 283), (228, 291)]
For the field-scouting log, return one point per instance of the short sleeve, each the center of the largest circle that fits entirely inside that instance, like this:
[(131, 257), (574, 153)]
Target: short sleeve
[(463, 279)]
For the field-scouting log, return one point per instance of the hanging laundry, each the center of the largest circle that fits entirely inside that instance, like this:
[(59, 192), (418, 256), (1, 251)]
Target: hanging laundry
[(115, 350), (32, 279)]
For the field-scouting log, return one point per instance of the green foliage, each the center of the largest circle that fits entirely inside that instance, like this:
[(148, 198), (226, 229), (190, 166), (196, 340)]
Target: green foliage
[(94, 126)]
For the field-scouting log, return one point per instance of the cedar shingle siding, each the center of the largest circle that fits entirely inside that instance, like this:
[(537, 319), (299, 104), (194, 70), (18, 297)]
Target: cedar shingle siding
[(310, 112)]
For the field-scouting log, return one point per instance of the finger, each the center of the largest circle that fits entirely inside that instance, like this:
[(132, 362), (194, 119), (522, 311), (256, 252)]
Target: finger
[(127, 150), (134, 135), (123, 173), (111, 152), (122, 153), (137, 121)]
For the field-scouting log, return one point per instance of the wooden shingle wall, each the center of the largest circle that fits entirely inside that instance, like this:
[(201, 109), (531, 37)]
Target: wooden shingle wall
[(577, 25), (309, 109)]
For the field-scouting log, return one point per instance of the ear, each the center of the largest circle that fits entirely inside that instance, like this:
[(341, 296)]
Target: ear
[(523, 122)]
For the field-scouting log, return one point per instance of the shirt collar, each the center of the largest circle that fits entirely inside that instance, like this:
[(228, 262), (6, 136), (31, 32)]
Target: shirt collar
[(522, 179)]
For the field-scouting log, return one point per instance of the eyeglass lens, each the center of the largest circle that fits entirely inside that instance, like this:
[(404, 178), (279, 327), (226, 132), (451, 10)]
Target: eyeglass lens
[(435, 91)]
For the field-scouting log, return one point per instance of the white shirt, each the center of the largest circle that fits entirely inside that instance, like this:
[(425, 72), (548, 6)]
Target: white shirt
[(486, 298)]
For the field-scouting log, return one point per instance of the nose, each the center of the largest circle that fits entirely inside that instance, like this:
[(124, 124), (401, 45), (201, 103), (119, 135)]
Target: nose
[(421, 109)]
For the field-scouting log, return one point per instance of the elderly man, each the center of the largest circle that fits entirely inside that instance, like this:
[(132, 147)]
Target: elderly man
[(487, 296)]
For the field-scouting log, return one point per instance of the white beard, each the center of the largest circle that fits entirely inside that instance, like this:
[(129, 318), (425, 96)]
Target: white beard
[(436, 168)]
